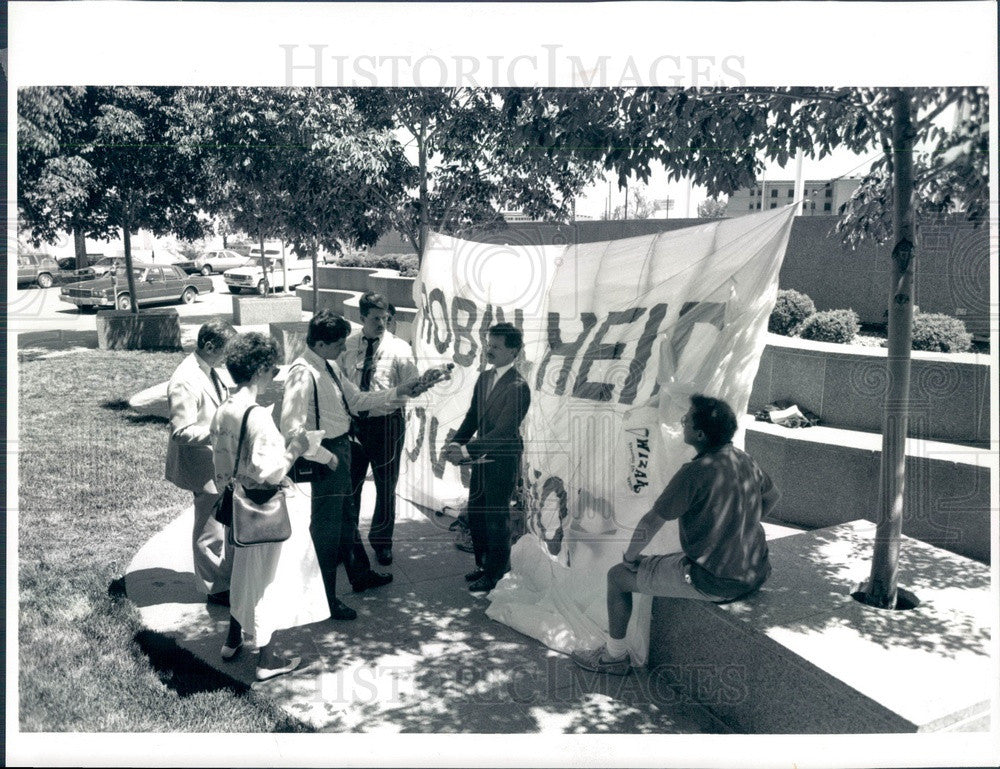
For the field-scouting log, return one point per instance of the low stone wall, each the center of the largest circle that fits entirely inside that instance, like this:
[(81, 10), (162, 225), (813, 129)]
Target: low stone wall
[(845, 386), (344, 278), (828, 476)]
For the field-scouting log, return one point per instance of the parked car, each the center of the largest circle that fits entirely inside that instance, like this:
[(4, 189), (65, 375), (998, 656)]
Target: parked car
[(251, 277), (68, 263), (40, 269), (102, 266), (153, 284), (215, 261)]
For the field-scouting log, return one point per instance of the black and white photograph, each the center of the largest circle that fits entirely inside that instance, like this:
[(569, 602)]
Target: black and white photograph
[(502, 384)]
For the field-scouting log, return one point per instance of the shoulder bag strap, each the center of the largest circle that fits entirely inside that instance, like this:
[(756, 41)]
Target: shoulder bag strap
[(243, 433)]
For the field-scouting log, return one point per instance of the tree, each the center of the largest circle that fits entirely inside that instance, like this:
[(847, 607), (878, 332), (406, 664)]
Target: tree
[(57, 182), (147, 183), (293, 163), (720, 138), (471, 161), (712, 208), (97, 160)]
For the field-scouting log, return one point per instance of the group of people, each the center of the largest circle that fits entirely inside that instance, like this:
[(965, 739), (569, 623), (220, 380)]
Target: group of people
[(353, 387)]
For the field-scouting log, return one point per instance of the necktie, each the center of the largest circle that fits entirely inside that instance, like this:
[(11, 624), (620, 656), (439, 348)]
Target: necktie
[(220, 389), (368, 368), (491, 379)]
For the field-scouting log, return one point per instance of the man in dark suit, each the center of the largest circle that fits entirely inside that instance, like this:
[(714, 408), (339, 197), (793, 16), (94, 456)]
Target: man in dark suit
[(500, 401)]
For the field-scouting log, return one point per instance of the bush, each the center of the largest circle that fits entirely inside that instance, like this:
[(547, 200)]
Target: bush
[(407, 264), (939, 333), (839, 326), (790, 309)]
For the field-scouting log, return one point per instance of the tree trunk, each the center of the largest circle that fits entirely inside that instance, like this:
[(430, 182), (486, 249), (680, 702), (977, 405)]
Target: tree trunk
[(422, 172), (263, 262), (129, 274), (80, 247), (882, 584), (315, 282), (284, 269)]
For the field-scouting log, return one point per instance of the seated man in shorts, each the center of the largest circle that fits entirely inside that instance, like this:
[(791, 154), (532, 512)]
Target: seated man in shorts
[(719, 498)]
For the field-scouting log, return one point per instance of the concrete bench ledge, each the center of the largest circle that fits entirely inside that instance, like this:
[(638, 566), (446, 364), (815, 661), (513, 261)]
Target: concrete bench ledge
[(802, 656), (829, 476)]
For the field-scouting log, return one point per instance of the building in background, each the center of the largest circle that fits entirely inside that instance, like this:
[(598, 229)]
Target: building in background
[(819, 197)]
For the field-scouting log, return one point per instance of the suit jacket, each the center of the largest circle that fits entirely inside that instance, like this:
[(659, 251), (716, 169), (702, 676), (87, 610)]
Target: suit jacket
[(193, 400), (495, 420)]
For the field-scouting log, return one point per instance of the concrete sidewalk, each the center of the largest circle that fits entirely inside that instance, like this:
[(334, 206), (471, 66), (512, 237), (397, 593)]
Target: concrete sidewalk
[(422, 656)]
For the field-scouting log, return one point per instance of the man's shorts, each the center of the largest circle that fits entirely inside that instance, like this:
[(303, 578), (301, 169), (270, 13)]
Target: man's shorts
[(669, 576)]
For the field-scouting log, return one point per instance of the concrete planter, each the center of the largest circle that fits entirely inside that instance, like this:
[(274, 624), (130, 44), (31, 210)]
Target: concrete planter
[(397, 289), (158, 329), (262, 310), (845, 386)]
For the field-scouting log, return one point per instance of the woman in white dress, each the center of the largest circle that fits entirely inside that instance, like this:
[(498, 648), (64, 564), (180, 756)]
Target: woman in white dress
[(272, 584)]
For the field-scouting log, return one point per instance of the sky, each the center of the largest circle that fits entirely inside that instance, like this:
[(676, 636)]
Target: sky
[(840, 163)]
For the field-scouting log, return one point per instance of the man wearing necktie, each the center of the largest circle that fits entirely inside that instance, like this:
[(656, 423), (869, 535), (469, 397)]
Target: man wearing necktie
[(500, 401), (194, 392), (374, 359), (315, 380)]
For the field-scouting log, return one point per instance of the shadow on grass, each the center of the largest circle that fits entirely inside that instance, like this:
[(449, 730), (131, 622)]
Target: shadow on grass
[(181, 670), (122, 405)]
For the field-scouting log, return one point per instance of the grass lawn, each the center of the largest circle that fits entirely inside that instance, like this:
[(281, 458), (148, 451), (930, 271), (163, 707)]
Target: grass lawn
[(91, 493)]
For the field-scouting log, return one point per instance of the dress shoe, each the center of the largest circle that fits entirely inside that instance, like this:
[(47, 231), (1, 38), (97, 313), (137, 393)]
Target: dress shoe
[(230, 652), (219, 599), (264, 674), (482, 585), (372, 579), (472, 576), (383, 555), (341, 610)]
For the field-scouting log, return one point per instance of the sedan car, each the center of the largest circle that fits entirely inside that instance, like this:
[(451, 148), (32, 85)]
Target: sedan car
[(39, 269), (215, 261), (153, 284)]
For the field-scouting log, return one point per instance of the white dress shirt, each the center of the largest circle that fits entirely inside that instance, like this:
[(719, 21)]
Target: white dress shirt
[(297, 410), (392, 364)]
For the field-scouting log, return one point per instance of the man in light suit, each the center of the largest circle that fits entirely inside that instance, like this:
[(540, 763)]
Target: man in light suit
[(374, 359), (500, 401), (194, 393)]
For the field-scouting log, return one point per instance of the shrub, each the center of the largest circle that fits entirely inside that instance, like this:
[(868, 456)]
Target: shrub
[(790, 309), (939, 333), (407, 264), (839, 326)]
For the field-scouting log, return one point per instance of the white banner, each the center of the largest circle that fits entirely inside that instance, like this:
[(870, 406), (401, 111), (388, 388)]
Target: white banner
[(618, 334)]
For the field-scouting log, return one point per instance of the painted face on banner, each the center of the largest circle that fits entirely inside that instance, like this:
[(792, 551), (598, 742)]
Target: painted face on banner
[(498, 353)]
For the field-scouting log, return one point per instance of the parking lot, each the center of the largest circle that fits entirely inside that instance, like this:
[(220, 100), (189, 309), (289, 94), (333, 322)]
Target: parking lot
[(42, 309)]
